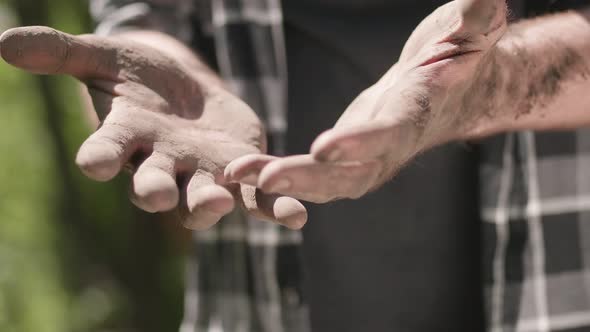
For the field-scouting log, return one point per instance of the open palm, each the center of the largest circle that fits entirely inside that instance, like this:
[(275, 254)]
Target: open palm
[(417, 104), (176, 130)]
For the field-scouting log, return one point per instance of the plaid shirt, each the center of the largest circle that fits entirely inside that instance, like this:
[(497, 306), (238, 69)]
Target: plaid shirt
[(246, 275)]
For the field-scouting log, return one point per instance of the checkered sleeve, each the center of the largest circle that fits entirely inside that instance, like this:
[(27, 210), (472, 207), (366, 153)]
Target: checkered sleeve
[(536, 212), (252, 59), (174, 17), (535, 199), (249, 273), (244, 274)]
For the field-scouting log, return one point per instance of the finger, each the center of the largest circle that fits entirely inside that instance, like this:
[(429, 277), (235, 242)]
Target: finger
[(154, 186), (365, 142), (43, 50), (246, 169), (284, 210), (480, 16), (305, 178), (104, 153), (104, 99), (205, 202)]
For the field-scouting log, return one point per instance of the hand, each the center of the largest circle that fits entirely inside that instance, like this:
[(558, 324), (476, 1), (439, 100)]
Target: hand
[(419, 103), (174, 127)]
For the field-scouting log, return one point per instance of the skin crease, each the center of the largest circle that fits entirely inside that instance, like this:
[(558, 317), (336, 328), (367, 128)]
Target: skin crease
[(460, 76), (167, 118)]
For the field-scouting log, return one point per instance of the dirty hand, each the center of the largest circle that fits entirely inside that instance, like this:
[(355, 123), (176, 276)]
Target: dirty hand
[(175, 128), (417, 104)]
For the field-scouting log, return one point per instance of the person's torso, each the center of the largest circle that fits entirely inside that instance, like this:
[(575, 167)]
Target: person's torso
[(404, 258)]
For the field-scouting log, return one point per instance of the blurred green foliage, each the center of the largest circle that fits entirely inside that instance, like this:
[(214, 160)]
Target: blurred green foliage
[(74, 255)]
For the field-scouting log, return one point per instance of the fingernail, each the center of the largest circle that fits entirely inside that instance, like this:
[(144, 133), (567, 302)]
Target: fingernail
[(281, 185)]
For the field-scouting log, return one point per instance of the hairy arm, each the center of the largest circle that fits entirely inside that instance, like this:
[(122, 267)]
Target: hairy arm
[(538, 78), (462, 74)]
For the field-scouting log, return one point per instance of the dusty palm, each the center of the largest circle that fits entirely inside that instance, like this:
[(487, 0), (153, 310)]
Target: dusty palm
[(176, 128)]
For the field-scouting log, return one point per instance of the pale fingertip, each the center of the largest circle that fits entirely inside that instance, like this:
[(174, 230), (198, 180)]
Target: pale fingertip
[(247, 168), (206, 206), (11, 44), (39, 49), (290, 212), (7, 43), (230, 170), (99, 162), (156, 190), (201, 221), (141, 205), (212, 198), (231, 176)]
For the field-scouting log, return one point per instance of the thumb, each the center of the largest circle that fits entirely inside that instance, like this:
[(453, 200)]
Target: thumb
[(480, 16), (43, 50)]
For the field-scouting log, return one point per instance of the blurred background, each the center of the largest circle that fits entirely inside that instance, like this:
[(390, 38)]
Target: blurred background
[(74, 254)]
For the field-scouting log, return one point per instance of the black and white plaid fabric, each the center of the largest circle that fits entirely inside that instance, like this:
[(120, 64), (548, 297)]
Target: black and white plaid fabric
[(246, 276), (536, 213)]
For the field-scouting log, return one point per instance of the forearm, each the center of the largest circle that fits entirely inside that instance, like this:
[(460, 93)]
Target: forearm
[(538, 77)]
